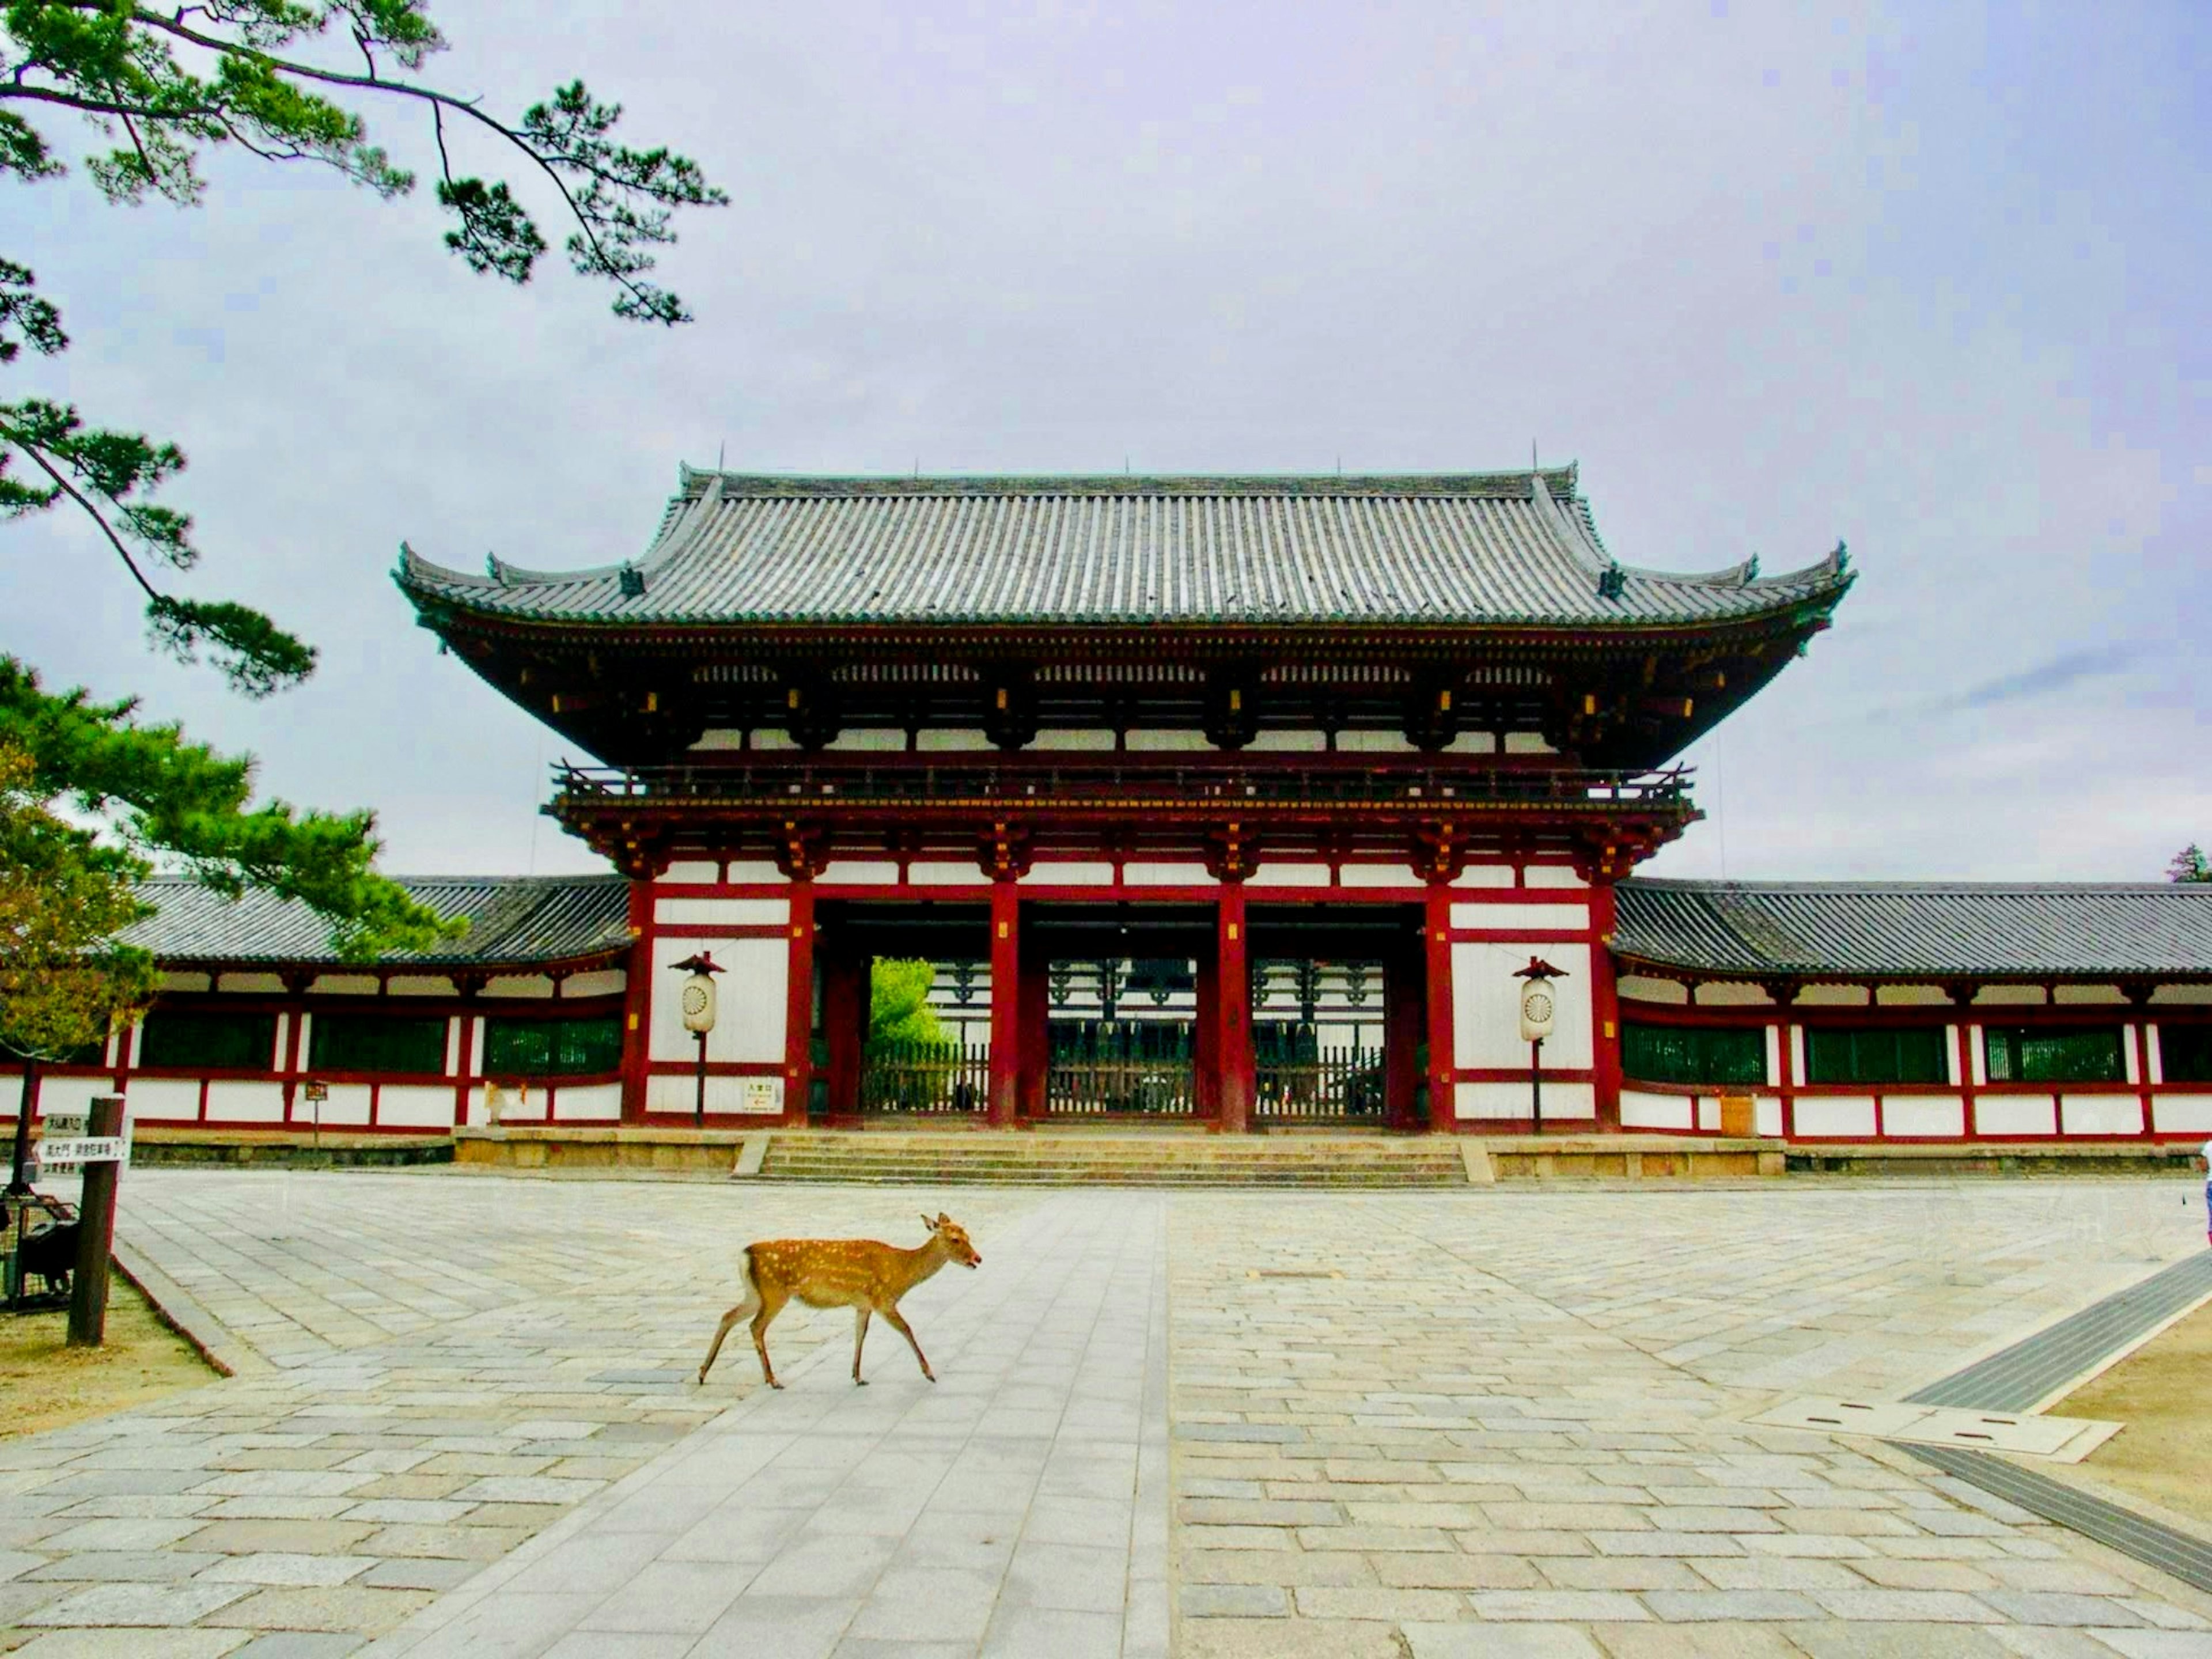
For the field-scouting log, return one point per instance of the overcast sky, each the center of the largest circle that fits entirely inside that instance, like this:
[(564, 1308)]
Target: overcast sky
[(1929, 278)]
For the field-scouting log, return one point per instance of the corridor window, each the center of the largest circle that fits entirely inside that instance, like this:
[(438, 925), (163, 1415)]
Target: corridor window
[(552, 1048), (1892, 1053), (216, 1042), (2185, 1053), (2025, 1054), (1693, 1054), (373, 1043)]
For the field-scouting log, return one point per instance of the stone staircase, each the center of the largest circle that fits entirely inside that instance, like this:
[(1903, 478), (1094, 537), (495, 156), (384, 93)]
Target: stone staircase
[(1164, 1159)]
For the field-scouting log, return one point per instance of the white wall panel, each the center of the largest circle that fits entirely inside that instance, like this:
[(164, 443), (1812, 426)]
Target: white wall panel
[(1377, 875), (1832, 996), (164, 1099), (2015, 1115), (610, 982), (2182, 1114), (1563, 1102), (2129, 1055), (1912, 996), (721, 912), (953, 740), (1277, 743), (754, 873), (1485, 875), (1709, 1114), (1551, 875), (1072, 874), (947, 875), (1850, 1115), (1766, 1116), (415, 1107), (273, 984), (869, 740), (520, 985), (1522, 917), (1075, 738), (249, 1103), (856, 872), (1292, 875), (1774, 1054), (598, 1103), (693, 870), (1923, 1114), (1636, 987), (325, 985), (1639, 1111), (750, 999), (2100, 1114), (421, 985), (1486, 1007), (1732, 993), (675, 1095), (1167, 875), (60, 1094)]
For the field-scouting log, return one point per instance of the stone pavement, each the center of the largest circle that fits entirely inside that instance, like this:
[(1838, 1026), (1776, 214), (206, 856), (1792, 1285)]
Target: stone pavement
[(1504, 1422)]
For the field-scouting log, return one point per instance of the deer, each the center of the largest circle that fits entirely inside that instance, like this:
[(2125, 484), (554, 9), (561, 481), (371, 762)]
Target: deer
[(858, 1274)]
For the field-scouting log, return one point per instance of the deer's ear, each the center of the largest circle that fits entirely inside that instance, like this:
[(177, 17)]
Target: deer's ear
[(943, 1219), (927, 1222)]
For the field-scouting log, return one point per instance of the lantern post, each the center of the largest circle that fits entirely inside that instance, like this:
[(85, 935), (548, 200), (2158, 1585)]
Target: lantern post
[(1539, 1011), (698, 1006)]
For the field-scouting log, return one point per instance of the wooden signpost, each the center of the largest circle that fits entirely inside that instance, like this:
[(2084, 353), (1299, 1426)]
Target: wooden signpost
[(101, 1154)]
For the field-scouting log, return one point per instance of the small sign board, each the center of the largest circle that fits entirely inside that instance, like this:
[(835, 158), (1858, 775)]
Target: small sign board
[(68, 1157), (762, 1096), (315, 1089), (64, 1125)]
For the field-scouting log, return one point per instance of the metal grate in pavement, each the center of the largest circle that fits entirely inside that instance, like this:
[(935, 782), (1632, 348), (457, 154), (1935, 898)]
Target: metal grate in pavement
[(2022, 1376), (2187, 1559)]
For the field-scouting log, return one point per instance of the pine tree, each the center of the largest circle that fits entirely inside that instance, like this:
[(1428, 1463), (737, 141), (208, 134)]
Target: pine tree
[(2189, 864)]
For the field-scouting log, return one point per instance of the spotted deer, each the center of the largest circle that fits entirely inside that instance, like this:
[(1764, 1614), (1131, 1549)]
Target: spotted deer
[(838, 1273)]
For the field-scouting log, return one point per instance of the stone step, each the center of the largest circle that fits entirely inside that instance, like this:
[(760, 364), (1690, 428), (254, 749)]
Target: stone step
[(881, 1158)]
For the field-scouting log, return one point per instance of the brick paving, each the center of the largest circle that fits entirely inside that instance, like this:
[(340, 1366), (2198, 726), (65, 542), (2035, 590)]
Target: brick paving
[(1503, 1422)]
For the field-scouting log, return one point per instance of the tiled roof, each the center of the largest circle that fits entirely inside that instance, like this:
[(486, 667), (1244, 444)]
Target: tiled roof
[(1926, 929), (513, 920), (1464, 548)]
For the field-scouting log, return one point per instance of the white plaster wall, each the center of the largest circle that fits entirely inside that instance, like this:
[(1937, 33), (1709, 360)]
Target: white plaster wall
[(1774, 1053), (2100, 1114), (1486, 1007), (333, 984), (2187, 994), (245, 1102), (516, 1105), (1911, 996), (421, 985), (1485, 875), (1766, 1116), (284, 1025), (1276, 743), (273, 985), (1709, 1114), (454, 1028), (722, 913), (693, 870), (1850, 1116), (2017, 995), (2174, 1114), (415, 1107), (857, 873), (947, 875), (754, 873), (1069, 875), (523, 985), (1730, 993), (1523, 918), (1551, 875), (1978, 1053), (1528, 743), (1167, 742), (598, 1103), (2015, 1115), (868, 740), (1168, 875), (164, 1099), (1924, 1115), (1075, 738), (1639, 1111), (307, 1040), (1832, 996), (1377, 875), (606, 983), (2128, 1057), (749, 1000), (347, 1107), (675, 1095), (2099, 995), (1473, 743), (62, 1094), (1797, 1053), (2157, 1055), (186, 981), (1636, 988), (1373, 743), (768, 738), (1950, 1056), (1292, 875), (1563, 1102)]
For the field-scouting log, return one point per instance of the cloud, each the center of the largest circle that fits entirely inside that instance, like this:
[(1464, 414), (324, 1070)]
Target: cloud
[(2059, 673)]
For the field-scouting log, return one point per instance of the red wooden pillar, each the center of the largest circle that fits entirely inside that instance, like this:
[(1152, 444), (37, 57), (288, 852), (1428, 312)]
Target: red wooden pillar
[(845, 1010), (1404, 1008), (799, 1006), (1232, 998), (1436, 932), (1605, 1010), (1205, 1033), (637, 1002), (1037, 1034), (1005, 1003)]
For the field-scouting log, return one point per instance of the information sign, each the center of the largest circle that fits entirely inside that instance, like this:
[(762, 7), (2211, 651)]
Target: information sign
[(67, 1157)]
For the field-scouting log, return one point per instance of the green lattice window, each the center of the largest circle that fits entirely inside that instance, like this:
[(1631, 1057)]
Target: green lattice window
[(1881, 1054), (2185, 1053), (1693, 1054), (552, 1048), (376, 1042), (2019, 1054), (209, 1040)]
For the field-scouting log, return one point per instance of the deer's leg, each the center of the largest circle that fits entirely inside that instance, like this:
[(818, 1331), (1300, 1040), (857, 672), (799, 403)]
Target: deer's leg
[(898, 1323), (744, 1309), (859, 1336), (769, 1309)]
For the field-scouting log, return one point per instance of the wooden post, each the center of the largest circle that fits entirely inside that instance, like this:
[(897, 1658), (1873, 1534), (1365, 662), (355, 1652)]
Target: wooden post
[(1605, 1007), (26, 1103), (1005, 1003), (1233, 1004), (96, 1238), (1443, 1101), (798, 1007)]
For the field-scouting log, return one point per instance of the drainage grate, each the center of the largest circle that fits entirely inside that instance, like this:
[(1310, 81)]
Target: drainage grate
[(2187, 1559), (2022, 1376)]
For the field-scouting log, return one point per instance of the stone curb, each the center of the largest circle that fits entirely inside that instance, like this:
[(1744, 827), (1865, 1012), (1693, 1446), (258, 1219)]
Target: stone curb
[(182, 1312)]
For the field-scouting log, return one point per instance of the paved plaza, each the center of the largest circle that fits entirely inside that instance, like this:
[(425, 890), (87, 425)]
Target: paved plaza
[(1495, 1422)]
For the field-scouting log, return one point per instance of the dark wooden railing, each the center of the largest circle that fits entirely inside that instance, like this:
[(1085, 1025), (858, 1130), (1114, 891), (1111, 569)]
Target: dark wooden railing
[(920, 1079), (1338, 1086), (788, 782), (1120, 1088)]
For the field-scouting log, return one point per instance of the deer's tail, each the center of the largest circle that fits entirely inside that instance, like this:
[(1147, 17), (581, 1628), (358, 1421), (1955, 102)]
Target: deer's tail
[(751, 1300)]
